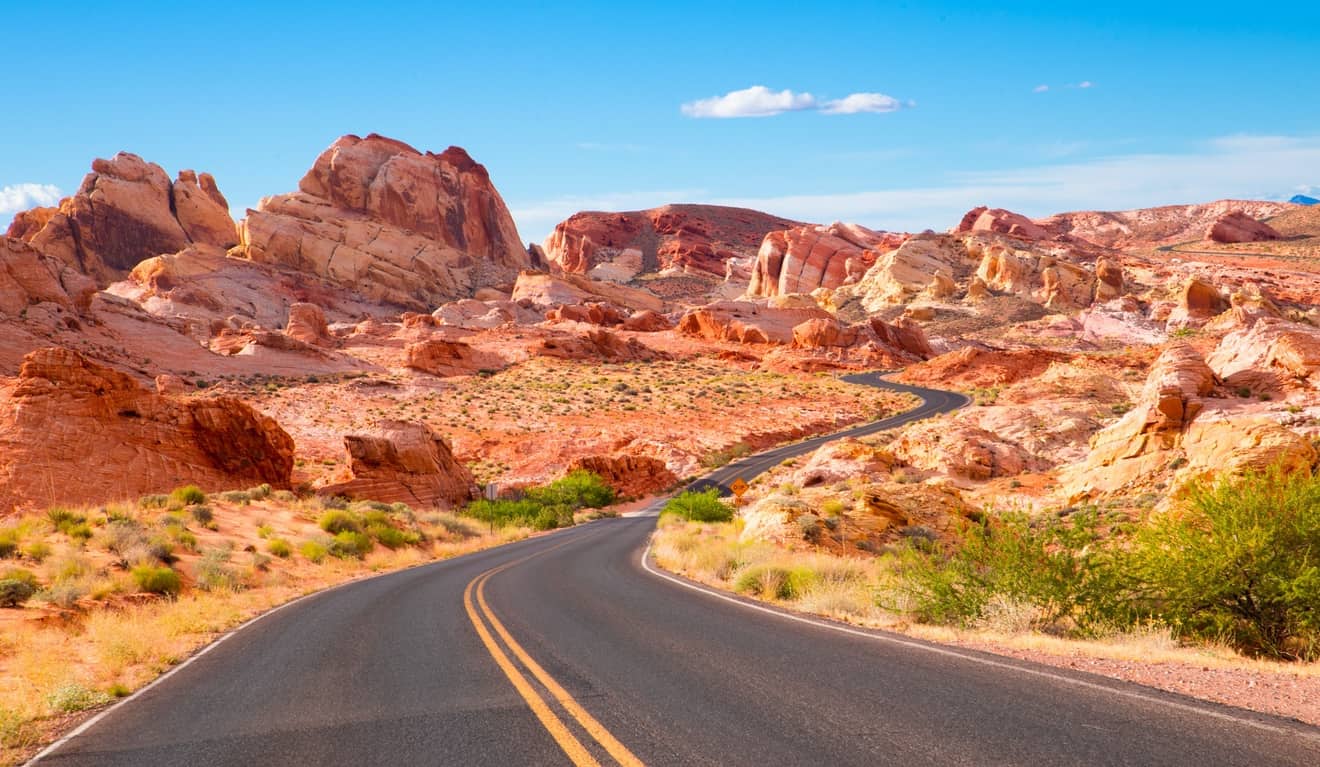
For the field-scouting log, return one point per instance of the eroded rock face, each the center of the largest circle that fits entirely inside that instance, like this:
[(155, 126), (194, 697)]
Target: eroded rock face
[(1286, 348), (125, 211), (399, 226), (750, 322), (900, 275), (1000, 221), (698, 239), (1138, 445), (27, 277), (805, 258), (548, 290), (307, 324), (597, 344), (442, 358), (1198, 302), (404, 462), (1237, 226), (64, 408), (961, 450), (629, 475)]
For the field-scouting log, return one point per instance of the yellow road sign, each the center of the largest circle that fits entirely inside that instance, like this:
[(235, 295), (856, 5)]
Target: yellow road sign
[(738, 487)]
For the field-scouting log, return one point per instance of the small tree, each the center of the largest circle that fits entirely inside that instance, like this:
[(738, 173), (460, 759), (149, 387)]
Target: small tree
[(1239, 561)]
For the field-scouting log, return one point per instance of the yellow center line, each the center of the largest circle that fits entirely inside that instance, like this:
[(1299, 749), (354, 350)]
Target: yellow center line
[(603, 736), (552, 723)]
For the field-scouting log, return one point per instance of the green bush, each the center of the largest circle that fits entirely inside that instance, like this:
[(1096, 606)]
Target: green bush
[(8, 542), (279, 547), (579, 489), (313, 551), (391, 537), (188, 495), (351, 544), (336, 521), (1240, 561), (202, 514), (548, 506), (1056, 563), (14, 592), (157, 580), (785, 583), (699, 506), (37, 551), (154, 501), (260, 492)]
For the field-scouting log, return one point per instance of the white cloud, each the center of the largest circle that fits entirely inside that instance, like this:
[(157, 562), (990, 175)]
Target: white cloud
[(760, 101), (1085, 84), (1042, 88), (16, 197), (756, 101), (857, 103)]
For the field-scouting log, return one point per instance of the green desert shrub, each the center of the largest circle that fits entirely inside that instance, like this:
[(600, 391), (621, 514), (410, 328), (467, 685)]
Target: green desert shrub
[(14, 592), (8, 542), (202, 514), (313, 551), (71, 697), (777, 581), (37, 551), (578, 489), (157, 580), (1238, 562), (350, 544), (188, 495), (699, 506), (214, 572), (279, 547), (336, 521)]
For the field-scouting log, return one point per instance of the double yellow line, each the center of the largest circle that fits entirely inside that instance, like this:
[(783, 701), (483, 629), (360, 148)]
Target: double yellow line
[(474, 601)]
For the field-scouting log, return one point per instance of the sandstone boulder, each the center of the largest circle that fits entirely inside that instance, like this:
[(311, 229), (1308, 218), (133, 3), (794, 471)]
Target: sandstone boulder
[(592, 314), (749, 322), (1109, 280), (647, 321), (548, 290), (1198, 302), (64, 408), (1000, 221), (821, 333), (404, 462), (307, 324), (28, 277), (1236, 226), (597, 344), (901, 274), (1289, 349), (444, 359), (398, 226)]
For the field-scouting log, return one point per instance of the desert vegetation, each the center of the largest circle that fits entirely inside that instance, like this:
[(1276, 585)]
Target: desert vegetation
[(545, 507), (97, 601), (1233, 563)]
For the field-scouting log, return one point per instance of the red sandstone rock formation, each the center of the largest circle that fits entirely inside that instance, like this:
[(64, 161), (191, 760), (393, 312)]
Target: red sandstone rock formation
[(449, 358), (692, 238), (75, 432), (750, 322), (27, 277), (629, 475), (397, 225), (307, 324), (1001, 221), (403, 462), (804, 258), (126, 211), (1237, 226), (597, 344)]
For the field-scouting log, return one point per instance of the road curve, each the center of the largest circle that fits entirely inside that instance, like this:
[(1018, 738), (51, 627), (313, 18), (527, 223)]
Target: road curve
[(565, 649)]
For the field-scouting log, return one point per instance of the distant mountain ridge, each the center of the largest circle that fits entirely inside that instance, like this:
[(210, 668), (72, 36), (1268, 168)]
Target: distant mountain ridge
[(1302, 199)]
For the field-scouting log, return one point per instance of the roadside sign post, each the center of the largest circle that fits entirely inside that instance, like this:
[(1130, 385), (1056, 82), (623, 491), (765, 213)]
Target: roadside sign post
[(738, 486)]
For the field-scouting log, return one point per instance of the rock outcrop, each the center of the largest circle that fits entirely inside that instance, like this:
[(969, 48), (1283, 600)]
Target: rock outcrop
[(125, 211), (1288, 349), (631, 476), (307, 324), (1198, 302), (1000, 221), (404, 462), (548, 290), (698, 239), (751, 322), (442, 358), (910, 270), (805, 258), (1237, 226), (28, 277), (64, 408), (597, 344), (398, 226)]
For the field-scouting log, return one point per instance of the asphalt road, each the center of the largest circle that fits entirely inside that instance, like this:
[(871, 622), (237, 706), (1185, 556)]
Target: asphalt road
[(568, 649)]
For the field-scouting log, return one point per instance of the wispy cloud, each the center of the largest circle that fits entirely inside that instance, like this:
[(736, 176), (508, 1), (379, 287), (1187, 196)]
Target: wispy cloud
[(1046, 87), (760, 101), (16, 197)]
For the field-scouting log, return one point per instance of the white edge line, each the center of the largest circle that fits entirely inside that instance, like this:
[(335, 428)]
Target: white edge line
[(80, 729), (949, 652)]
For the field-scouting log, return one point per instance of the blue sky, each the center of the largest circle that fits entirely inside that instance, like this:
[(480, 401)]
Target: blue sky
[(584, 107)]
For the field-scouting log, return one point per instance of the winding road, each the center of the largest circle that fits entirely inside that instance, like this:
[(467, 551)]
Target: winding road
[(569, 648)]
